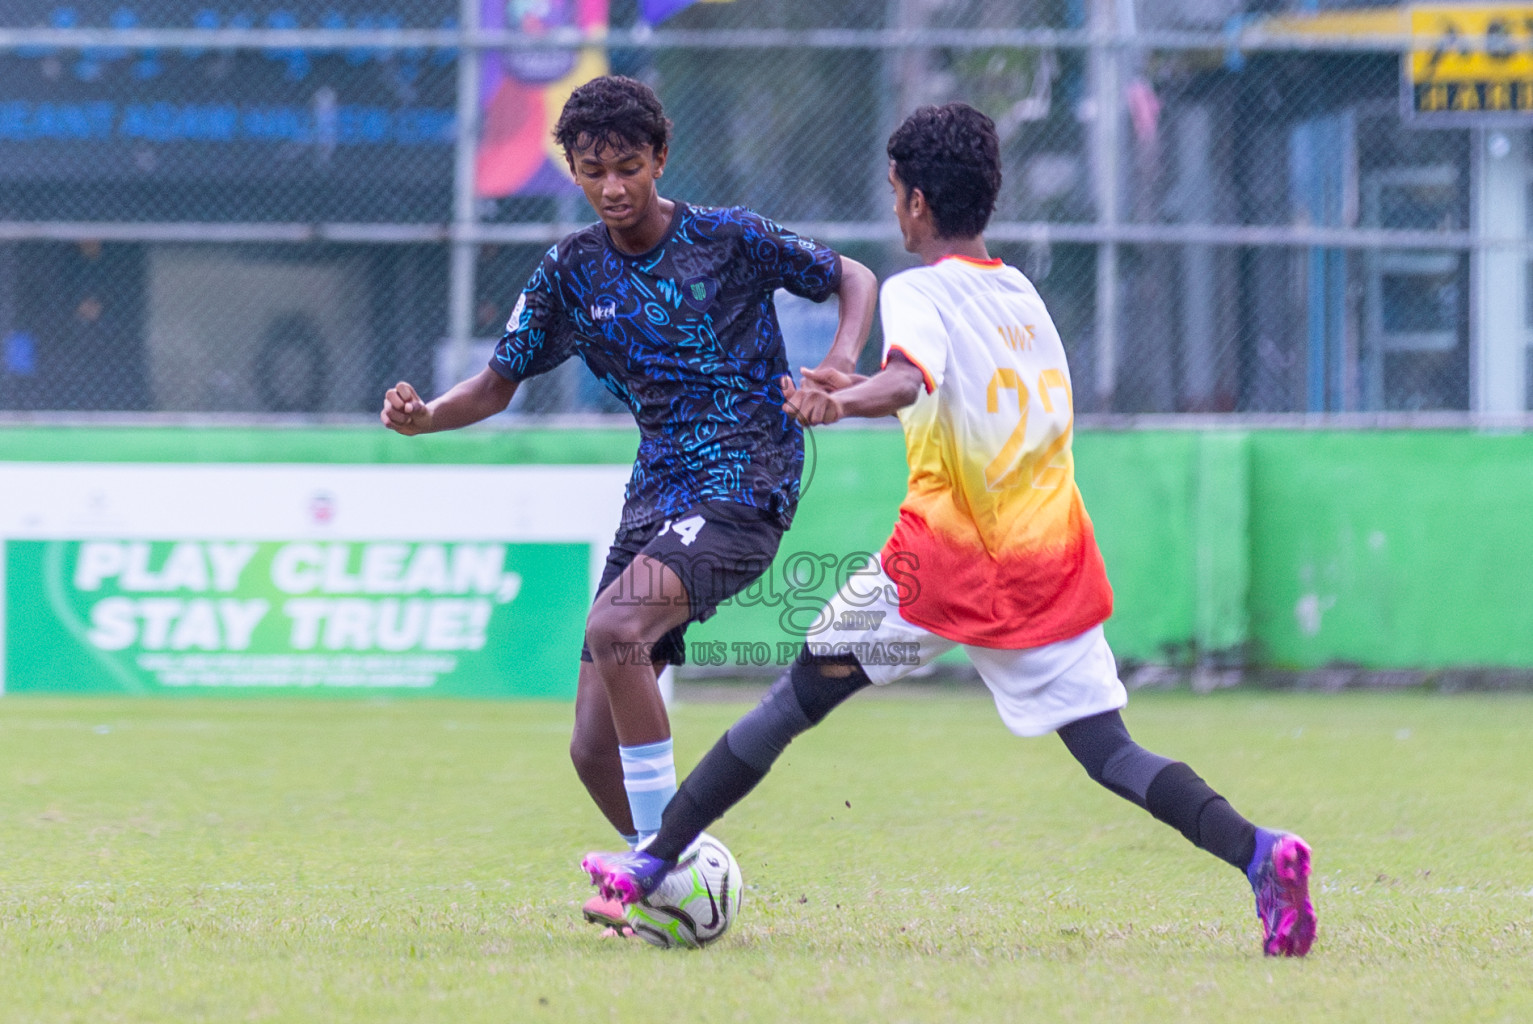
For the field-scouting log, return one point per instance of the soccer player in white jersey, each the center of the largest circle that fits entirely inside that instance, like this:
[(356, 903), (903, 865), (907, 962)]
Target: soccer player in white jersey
[(993, 550)]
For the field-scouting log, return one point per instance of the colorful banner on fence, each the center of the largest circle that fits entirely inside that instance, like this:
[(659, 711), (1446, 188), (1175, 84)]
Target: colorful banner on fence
[(522, 92), (143, 579), (653, 12)]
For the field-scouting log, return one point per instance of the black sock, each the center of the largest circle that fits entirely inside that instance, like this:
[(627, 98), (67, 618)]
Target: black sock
[(1181, 799), (719, 781), (798, 700)]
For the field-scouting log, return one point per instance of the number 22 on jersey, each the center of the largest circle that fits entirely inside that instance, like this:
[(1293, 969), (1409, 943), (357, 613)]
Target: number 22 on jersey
[(1011, 467)]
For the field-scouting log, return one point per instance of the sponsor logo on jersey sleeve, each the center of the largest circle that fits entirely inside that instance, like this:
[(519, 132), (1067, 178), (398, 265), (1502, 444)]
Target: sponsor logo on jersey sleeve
[(515, 321)]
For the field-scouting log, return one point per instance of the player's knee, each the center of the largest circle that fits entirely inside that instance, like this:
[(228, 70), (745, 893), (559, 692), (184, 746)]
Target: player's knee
[(612, 633), (1103, 774), (1094, 772), (1102, 745), (821, 683), (761, 736), (1096, 740)]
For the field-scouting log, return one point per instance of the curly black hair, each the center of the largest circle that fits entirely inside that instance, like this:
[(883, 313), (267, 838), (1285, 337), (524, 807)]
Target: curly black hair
[(612, 111), (951, 153)]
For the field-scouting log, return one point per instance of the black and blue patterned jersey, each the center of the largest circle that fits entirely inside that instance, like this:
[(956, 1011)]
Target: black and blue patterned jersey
[(687, 337)]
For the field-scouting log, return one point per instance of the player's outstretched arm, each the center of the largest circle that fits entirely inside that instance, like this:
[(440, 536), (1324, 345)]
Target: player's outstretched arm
[(888, 391), (827, 378), (481, 396), (857, 295)]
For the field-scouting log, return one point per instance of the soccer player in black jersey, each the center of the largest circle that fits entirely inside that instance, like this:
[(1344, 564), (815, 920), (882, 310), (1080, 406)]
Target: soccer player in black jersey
[(670, 307)]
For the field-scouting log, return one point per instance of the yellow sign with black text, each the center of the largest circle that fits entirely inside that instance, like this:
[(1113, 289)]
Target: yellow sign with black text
[(1469, 64)]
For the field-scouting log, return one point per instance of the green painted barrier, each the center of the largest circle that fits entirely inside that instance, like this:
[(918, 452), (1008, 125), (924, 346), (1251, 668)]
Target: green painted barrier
[(1392, 550), (1221, 548), (1291, 549)]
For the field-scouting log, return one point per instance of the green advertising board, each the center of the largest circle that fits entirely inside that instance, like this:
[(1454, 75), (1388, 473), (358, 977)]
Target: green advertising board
[(150, 616), (1294, 549), (449, 581)]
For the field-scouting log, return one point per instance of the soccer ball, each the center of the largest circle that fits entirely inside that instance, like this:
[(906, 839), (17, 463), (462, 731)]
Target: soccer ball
[(695, 903)]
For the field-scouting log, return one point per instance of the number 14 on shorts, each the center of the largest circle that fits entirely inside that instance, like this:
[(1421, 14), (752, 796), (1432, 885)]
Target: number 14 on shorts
[(687, 529)]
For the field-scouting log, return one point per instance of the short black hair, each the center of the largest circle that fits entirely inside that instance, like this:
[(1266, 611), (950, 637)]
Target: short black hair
[(951, 153), (612, 111)]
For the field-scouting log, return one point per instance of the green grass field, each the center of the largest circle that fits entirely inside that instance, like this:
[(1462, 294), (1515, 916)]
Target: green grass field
[(340, 861)]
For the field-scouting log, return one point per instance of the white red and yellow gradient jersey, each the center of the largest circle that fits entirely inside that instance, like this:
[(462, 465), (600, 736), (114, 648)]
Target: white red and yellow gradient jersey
[(993, 546)]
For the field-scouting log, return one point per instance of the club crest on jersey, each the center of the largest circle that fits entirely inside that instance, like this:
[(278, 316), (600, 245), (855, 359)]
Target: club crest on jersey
[(699, 292), (603, 309)]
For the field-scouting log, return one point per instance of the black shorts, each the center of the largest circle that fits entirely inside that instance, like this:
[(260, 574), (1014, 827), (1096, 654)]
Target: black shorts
[(717, 549)]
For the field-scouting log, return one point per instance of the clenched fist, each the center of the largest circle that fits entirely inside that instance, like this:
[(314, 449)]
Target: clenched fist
[(404, 412)]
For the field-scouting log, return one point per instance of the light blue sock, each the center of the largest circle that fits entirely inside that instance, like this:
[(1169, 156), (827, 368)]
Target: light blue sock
[(649, 776)]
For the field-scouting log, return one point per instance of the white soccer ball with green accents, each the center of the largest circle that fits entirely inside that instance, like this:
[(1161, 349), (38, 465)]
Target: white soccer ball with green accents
[(695, 903)]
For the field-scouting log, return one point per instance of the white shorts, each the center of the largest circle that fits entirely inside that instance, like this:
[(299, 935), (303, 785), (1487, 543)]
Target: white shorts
[(1036, 689)]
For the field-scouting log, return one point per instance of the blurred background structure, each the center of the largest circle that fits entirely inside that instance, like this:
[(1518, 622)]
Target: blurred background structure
[(279, 207), (226, 226)]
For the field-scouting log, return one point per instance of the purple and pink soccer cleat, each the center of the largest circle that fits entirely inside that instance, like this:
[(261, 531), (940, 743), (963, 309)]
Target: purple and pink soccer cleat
[(627, 877), (1279, 875)]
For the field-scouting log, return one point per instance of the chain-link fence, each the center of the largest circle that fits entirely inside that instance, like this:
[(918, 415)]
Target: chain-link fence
[(210, 206)]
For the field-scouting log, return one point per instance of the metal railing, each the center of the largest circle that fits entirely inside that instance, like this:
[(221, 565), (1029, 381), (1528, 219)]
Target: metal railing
[(1251, 232)]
